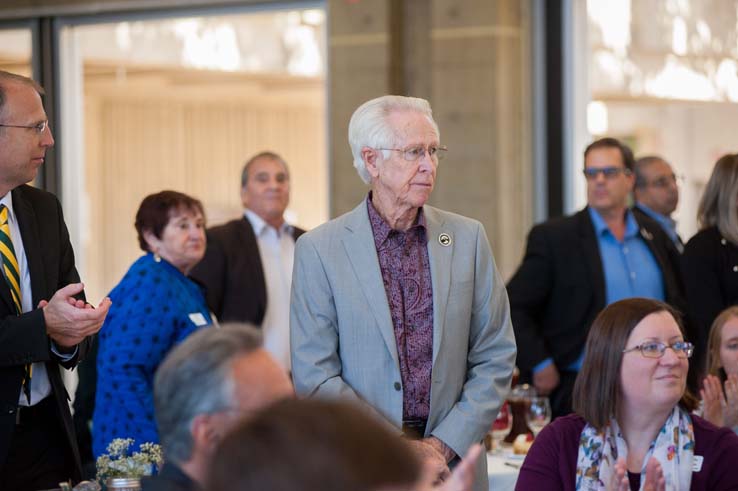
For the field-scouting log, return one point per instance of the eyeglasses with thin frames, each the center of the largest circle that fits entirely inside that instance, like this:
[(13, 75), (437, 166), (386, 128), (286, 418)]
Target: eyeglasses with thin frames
[(39, 127), (413, 154), (656, 349), (609, 172), (664, 181)]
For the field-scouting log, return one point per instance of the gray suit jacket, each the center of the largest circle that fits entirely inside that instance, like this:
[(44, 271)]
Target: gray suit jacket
[(342, 338)]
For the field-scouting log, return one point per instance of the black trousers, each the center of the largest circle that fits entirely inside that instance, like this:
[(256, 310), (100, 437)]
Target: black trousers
[(39, 456), (561, 396)]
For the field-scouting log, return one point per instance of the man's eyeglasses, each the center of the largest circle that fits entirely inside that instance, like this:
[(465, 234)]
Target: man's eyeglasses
[(664, 181), (413, 154), (40, 127), (608, 172), (655, 349)]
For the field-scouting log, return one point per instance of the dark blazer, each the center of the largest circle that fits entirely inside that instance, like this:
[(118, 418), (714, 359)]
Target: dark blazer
[(710, 269), (559, 288), (232, 273), (170, 478), (639, 214), (23, 338)]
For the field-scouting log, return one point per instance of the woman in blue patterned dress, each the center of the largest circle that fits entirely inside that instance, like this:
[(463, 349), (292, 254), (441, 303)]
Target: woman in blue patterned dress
[(155, 306)]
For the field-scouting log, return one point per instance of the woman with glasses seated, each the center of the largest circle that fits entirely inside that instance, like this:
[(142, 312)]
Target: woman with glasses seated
[(633, 428), (720, 387), (710, 257)]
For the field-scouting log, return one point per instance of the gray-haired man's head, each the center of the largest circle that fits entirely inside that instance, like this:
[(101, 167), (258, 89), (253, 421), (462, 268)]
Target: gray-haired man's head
[(214, 378)]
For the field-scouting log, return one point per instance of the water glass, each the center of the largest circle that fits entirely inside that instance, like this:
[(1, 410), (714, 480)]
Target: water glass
[(501, 426), (538, 414)]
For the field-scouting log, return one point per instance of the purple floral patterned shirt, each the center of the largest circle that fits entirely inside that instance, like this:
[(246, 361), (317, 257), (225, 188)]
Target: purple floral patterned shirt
[(403, 260)]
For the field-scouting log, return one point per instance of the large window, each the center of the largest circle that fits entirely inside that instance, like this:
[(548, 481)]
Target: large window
[(16, 50), (663, 76), (181, 103)]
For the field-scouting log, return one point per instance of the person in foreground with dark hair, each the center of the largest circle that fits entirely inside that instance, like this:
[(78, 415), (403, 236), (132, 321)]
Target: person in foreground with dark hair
[(202, 389), (633, 428), (155, 306), (324, 446)]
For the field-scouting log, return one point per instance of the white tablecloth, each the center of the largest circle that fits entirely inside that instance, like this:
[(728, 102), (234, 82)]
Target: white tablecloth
[(502, 477)]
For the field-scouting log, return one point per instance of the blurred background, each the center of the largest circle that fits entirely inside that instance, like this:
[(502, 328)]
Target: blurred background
[(145, 95)]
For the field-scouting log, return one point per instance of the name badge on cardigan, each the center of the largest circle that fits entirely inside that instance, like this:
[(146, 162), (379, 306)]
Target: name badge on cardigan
[(697, 463), (198, 319)]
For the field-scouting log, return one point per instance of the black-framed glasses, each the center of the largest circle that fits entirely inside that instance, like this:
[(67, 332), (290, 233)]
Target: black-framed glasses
[(39, 127), (656, 349), (413, 154), (608, 172)]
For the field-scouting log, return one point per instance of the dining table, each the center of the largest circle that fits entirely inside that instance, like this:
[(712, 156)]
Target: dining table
[(503, 469)]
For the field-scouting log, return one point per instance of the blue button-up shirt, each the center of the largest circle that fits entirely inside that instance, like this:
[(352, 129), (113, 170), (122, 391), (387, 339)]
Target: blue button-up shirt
[(629, 267)]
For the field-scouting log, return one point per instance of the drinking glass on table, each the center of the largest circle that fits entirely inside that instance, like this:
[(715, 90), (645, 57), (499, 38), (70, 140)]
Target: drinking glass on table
[(538, 414), (501, 426)]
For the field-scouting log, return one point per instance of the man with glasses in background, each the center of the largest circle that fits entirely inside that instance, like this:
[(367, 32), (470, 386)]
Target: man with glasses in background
[(398, 305), (657, 194), (44, 322), (574, 266)]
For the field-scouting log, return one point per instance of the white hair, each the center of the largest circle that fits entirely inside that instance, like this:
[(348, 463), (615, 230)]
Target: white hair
[(369, 128)]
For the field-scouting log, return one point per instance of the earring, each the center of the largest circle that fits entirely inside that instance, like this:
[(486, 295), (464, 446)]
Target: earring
[(157, 257)]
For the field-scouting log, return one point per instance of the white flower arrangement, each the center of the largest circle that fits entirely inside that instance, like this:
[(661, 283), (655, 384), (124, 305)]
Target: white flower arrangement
[(118, 463)]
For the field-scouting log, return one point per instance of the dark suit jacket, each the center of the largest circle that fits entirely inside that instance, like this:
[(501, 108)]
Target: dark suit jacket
[(171, 478), (23, 338), (709, 267), (639, 214), (559, 288), (232, 273)]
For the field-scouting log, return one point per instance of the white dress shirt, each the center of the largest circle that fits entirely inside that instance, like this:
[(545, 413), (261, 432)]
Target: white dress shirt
[(40, 387), (277, 251)]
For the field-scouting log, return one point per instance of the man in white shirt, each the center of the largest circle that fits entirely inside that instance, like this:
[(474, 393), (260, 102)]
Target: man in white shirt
[(45, 323), (247, 268)]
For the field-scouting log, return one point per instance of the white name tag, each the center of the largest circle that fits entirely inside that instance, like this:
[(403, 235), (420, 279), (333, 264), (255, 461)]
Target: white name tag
[(198, 319), (697, 463)]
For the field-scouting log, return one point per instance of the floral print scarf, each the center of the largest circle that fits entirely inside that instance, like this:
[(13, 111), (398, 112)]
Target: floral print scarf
[(673, 448)]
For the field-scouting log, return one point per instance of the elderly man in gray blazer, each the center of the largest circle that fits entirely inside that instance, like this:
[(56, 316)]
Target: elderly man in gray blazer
[(399, 305)]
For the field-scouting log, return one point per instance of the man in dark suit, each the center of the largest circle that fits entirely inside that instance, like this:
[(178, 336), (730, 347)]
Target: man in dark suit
[(202, 389), (247, 268), (656, 194), (575, 266), (44, 321)]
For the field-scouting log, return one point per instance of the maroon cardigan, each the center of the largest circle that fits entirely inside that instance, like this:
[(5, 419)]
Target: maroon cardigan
[(552, 461)]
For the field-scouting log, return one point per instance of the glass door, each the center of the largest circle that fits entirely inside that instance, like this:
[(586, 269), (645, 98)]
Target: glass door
[(181, 102)]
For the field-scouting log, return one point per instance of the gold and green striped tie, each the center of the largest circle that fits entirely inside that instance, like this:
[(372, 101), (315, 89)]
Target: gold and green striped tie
[(12, 277)]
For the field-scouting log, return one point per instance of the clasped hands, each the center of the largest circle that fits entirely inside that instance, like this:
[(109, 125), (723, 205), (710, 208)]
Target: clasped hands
[(436, 475), (69, 320)]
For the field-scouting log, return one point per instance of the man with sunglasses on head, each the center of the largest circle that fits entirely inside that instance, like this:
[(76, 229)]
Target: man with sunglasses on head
[(44, 322), (574, 266), (657, 194), (398, 305)]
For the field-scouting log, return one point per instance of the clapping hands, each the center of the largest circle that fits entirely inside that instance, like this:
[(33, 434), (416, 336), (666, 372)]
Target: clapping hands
[(69, 320), (655, 480), (720, 406)]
